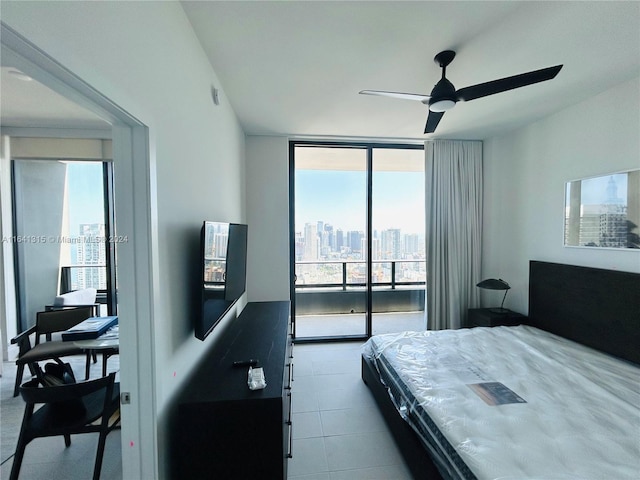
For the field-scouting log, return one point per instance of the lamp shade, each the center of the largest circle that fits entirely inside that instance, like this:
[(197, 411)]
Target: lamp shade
[(494, 284)]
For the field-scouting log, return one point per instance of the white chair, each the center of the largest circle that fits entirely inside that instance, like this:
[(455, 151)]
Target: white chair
[(85, 296)]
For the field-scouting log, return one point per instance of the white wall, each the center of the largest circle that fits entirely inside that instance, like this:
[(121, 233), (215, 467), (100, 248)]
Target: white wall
[(39, 196), (8, 305), (268, 218), (145, 58), (525, 174)]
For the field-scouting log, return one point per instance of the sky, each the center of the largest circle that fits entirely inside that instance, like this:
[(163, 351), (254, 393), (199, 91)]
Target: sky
[(86, 203), (339, 198), (334, 197), (594, 190)]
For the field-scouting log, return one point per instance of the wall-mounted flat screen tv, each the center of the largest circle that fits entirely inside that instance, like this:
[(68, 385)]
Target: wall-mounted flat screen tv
[(223, 260)]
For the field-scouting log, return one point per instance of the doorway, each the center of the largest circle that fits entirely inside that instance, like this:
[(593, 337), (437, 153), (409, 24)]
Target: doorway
[(134, 207), (357, 250), (63, 213)]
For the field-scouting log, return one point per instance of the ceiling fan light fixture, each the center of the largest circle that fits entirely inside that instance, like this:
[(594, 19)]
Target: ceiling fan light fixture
[(444, 95), (442, 105)]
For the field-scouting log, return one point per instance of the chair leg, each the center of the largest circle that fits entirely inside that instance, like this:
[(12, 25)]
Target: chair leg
[(87, 366), (67, 440), (105, 355), (99, 454), (19, 374), (19, 455), (17, 460)]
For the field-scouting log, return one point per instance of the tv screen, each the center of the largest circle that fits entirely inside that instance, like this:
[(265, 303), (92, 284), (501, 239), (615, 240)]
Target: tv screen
[(223, 249)]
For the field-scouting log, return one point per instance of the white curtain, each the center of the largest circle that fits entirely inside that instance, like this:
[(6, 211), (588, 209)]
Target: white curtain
[(453, 182)]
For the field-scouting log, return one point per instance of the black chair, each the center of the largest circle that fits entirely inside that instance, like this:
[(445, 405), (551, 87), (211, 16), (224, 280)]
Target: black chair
[(86, 407), (47, 323)]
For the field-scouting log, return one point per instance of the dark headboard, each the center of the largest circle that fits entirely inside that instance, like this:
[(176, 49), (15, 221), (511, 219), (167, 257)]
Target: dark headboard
[(598, 308)]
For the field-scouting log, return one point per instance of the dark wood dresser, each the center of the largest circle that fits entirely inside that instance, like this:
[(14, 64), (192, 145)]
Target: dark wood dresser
[(220, 428)]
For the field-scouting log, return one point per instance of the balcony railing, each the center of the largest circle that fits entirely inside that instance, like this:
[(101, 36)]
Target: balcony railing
[(338, 286), (347, 274), (75, 277)]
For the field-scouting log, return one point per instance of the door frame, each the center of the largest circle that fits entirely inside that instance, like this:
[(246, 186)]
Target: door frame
[(369, 146), (137, 258)]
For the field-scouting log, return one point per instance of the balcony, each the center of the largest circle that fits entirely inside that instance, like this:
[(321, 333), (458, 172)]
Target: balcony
[(331, 296), (76, 277)]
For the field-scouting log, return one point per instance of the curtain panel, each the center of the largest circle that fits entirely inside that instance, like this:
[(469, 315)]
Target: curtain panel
[(453, 182)]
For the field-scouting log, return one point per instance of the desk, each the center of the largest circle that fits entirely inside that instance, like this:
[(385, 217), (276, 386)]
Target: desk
[(108, 344)]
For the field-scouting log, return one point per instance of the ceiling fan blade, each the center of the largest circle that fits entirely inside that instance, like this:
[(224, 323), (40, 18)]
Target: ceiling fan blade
[(509, 83), (404, 96), (432, 121)]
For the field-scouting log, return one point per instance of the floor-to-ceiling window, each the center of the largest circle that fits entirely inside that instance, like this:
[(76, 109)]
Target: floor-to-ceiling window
[(330, 246), (62, 225), (358, 239), (398, 246)]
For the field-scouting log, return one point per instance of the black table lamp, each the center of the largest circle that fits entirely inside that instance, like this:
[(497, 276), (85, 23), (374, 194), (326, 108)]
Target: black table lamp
[(496, 284)]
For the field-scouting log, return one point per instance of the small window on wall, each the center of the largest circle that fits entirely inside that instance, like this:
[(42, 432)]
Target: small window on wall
[(603, 211), (62, 224)]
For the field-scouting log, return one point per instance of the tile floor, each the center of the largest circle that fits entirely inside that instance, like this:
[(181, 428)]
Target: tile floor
[(48, 458), (354, 324), (338, 432)]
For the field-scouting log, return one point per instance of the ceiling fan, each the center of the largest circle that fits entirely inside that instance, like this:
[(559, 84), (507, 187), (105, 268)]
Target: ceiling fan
[(444, 95)]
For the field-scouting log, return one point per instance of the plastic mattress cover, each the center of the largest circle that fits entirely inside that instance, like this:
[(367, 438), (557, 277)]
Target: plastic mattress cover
[(520, 403)]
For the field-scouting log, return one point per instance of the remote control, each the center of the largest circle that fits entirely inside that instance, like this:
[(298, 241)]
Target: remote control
[(245, 363)]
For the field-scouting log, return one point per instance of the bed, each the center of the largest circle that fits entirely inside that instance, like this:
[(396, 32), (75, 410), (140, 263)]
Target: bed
[(556, 398)]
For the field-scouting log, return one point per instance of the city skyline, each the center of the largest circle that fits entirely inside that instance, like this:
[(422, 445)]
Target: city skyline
[(597, 209), (321, 240), (85, 217)]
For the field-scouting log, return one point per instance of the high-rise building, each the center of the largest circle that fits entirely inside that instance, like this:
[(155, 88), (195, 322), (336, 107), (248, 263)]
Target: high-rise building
[(339, 240), (91, 256), (354, 240), (330, 238), (221, 240), (604, 224), (376, 253), (311, 242), (413, 245), (299, 246), (390, 244)]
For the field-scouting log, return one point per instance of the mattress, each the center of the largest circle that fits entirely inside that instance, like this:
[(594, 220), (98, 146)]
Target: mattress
[(514, 403)]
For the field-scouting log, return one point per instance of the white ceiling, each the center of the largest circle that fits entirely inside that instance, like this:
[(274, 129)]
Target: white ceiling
[(28, 103), (296, 67)]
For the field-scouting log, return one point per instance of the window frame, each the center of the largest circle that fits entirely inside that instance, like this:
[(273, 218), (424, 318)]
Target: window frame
[(369, 146)]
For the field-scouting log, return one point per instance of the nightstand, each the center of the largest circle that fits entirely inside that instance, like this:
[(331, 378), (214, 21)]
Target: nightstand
[(484, 317)]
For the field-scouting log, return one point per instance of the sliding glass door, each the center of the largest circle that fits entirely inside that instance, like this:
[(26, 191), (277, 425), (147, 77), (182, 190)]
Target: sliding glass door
[(330, 241), (357, 239), (398, 247)]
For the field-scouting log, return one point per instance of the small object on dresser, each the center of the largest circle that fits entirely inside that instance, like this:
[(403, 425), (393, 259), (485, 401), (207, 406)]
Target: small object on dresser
[(245, 363), (256, 379)]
